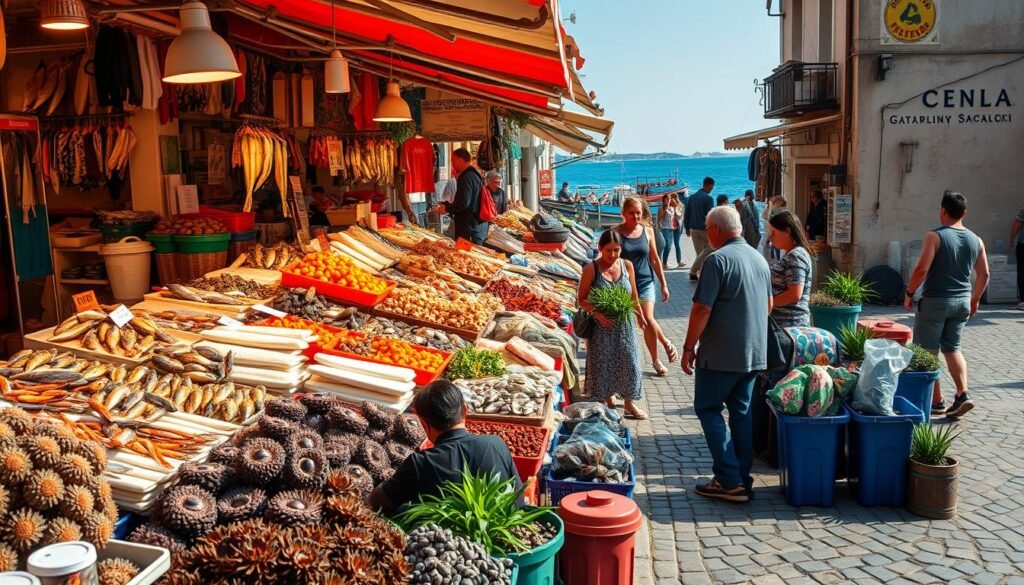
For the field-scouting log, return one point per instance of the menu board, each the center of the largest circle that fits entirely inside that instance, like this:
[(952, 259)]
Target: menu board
[(453, 120)]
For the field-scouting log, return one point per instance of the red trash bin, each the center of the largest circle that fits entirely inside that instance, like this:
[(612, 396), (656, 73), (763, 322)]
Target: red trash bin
[(600, 529), (885, 329)]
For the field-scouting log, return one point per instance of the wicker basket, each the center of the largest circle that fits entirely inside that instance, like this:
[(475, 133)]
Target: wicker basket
[(167, 268), (192, 266), (236, 249)]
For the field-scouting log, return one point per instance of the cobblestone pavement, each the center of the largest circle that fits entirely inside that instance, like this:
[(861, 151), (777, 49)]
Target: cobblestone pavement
[(694, 541)]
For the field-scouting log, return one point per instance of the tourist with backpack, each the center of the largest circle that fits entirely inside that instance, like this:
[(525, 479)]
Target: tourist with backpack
[(469, 209)]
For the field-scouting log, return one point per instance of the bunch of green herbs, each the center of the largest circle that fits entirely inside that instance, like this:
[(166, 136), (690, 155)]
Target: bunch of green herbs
[(846, 289), (929, 444), (614, 302), (472, 363), (481, 508), (922, 360)]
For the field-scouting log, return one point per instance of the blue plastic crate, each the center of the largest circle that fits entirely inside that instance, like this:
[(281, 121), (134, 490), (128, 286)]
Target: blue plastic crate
[(916, 387), (126, 524), (808, 453), (559, 488), (879, 449)]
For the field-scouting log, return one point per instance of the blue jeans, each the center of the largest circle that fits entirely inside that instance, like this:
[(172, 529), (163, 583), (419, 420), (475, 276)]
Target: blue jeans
[(670, 237), (732, 449)]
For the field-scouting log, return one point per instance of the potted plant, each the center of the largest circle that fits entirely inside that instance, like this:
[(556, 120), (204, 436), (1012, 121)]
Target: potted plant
[(851, 344), (932, 474), (916, 381), (839, 301), (486, 509)]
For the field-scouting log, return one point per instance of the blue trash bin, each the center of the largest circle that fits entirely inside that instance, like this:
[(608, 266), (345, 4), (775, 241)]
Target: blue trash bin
[(808, 453), (917, 388), (879, 449)]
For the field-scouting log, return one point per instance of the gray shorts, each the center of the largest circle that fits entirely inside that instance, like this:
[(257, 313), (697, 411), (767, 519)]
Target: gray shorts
[(647, 292), (939, 323)]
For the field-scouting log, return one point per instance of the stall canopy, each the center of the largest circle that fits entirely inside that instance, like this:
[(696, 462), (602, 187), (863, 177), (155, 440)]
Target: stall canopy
[(750, 139)]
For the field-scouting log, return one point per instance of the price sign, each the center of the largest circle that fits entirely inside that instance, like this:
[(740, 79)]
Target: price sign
[(461, 244), (301, 213), (334, 160), (325, 244), (229, 322), (85, 301), (121, 316), (269, 311)]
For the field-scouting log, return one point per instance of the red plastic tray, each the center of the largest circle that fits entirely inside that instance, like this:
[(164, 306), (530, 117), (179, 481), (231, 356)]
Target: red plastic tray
[(234, 221), (527, 467), (334, 291), (315, 347), (539, 247), (423, 377)]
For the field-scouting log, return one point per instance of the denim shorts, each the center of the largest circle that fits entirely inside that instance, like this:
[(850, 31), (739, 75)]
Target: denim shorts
[(939, 323), (647, 292)]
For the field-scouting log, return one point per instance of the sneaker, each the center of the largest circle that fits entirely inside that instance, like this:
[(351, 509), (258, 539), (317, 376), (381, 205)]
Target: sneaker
[(962, 404), (715, 490), (939, 407), (1020, 306)]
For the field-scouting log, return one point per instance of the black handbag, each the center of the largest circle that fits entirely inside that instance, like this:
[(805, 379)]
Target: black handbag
[(583, 324), (781, 348)]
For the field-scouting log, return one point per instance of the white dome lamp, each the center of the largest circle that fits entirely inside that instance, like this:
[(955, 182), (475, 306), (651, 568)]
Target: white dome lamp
[(392, 108), (63, 15), (336, 79), (198, 55)]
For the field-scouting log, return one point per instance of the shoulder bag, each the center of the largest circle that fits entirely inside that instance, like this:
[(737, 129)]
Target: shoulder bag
[(583, 322), (781, 348)]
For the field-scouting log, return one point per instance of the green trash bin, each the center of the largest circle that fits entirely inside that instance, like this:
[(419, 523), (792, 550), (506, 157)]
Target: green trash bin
[(537, 566)]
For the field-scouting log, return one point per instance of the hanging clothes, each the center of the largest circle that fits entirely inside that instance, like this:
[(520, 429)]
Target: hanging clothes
[(418, 165), (152, 85), (31, 244), (769, 179), (133, 96), (87, 157), (754, 163), (365, 108), (169, 96), (113, 77)]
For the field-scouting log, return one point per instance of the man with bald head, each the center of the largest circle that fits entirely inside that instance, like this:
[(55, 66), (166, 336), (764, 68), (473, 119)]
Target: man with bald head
[(726, 345)]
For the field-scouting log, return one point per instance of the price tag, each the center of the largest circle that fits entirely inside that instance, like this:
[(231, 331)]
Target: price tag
[(85, 301), (229, 322), (121, 316), (325, 244), (465, 245), (269, 311)]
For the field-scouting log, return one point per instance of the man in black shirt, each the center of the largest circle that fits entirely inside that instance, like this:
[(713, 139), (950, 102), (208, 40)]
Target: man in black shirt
[(442, 412), (465, 208), (817, 217)]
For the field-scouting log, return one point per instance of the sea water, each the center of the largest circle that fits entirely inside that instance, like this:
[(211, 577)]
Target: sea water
[(729, 173)]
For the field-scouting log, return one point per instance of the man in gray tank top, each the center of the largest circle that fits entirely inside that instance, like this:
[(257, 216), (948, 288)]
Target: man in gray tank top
[(950, 256)]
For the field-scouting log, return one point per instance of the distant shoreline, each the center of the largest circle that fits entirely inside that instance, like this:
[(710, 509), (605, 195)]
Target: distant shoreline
[(635, 156)]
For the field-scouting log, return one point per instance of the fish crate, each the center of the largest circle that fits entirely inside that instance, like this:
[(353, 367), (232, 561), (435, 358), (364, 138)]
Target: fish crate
[(565, 431), (559, 488)]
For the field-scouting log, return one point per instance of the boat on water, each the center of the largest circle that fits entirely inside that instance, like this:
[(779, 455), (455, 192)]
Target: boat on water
[(601, 208)]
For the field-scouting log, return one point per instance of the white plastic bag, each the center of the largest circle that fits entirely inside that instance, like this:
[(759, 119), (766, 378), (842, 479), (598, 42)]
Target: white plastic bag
[(883, 361)]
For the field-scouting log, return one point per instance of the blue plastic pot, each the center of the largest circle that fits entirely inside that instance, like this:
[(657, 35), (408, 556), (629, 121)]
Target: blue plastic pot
[(537, 566), (808, 454), (916, 387), (833, 318)]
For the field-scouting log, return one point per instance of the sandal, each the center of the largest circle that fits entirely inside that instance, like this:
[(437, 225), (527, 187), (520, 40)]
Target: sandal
[(673, 353), (660, 370), (637, 413), (610, 402)]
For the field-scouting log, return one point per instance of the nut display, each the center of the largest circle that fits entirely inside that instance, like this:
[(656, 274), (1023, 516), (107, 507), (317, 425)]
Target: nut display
[(437, 556), (190, 226), (446, 256), (458, 310), (522, 441), (231, 284), (389, 350)]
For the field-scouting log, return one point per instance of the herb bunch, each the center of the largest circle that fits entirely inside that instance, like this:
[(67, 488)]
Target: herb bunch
[(471, 363), (615, 302)]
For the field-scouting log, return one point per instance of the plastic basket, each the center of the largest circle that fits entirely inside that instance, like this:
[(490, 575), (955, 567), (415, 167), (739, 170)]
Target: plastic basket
[(162, 243), (879, 449), (423, 377), (537, 566), (916, 387), (559, 488), (333, 291), (808, 453), (166, 268), (234, 221), (202, 244), (192, 266), (527, 467)]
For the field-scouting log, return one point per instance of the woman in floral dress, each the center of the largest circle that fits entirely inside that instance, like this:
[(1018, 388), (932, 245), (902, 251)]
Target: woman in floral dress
[(613, 355)]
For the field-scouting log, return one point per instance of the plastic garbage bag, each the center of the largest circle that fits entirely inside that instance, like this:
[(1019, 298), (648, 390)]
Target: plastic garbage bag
[(843, 383), (592, 453), (883, 361), (806, 390), (578, 412)]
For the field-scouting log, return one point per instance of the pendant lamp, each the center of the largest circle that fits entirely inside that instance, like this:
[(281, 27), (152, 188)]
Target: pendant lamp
[(198, 55), (63, 15), (392, 108), (336, 78)]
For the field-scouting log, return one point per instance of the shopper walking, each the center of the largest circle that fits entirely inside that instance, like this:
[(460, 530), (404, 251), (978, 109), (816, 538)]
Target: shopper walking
[(613, 354), (725, 347), (950, 257), (698, 206), (640, 248), (465, 208), (791, 274), (669, 217), (750, 233), (1017, 241)]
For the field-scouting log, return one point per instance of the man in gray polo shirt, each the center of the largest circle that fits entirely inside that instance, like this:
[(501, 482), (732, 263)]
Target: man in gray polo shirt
[(725, 347)]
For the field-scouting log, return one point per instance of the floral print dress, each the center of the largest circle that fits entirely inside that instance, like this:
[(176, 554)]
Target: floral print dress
[(613, 355)]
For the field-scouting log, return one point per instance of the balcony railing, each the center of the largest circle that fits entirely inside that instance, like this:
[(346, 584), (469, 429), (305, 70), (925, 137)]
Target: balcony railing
[(801, 87)]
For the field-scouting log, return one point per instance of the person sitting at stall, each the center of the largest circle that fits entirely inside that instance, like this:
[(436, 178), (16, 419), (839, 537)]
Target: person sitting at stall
[(606, 199), (465, 208), (442, 413)]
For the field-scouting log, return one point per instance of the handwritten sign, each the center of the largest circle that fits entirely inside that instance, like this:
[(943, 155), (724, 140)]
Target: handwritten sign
[(269, 311), (229, 322), (454, 120), (85, 301), (334, 159), (121, 316), (325, 244), (462, 244), (188, 199)]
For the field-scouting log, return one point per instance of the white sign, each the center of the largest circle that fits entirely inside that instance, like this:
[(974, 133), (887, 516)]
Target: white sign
[(840, 219), (121, 316), (188, 199), (229, 322), (335, 162), (269, 311), (454, 120), (301, 213)]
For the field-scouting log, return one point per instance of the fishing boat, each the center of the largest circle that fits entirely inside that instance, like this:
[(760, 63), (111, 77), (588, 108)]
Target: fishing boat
[(604, 213)]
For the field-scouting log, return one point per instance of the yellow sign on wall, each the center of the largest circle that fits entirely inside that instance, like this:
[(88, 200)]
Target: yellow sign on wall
[(909, 21)]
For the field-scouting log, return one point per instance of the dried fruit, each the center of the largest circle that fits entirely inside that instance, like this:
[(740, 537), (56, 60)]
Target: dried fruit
[(23, 529), (62, 529), (295, 507), (156, 535), (306, 469), (43, 489), (212, 477), (261, 461), (241, 504), (286, 408), (372, 456), (189, 510), (116, 571)]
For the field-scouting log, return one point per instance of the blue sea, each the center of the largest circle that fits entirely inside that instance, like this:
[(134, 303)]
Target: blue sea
[(729, 172)]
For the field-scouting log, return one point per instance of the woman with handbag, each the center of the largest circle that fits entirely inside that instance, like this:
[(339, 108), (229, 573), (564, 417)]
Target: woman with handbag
[(613, 354)]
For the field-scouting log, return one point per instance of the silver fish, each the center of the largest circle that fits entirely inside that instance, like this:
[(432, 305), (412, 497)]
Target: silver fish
[(201, 377), (135, 412), (210, 353), (113, 397), (47, 376), (91, 341), (91, 315), (185, 293), (133, 398), (160, 402), (21, 354), (137, 373), (217, 298), (168, 364), (118, 374), (73, 332), (64, 326)]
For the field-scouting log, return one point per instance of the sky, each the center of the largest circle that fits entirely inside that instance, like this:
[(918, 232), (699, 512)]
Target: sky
[(675, 75)]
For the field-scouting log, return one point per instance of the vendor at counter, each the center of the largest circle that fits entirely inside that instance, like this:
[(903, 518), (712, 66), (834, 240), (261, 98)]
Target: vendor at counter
[(442, 412)]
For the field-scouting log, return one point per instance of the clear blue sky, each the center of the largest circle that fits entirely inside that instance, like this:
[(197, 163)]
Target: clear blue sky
[(675, 75)]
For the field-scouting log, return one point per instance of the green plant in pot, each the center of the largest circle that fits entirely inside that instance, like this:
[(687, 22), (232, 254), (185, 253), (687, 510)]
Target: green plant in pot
[(932, 473), (851, 343), (916, 381), (839, 301)]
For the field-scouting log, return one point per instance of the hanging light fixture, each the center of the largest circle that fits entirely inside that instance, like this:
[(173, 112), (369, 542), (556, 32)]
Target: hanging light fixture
[(336, 78), (198, 55), (392, 108), (63, 15)]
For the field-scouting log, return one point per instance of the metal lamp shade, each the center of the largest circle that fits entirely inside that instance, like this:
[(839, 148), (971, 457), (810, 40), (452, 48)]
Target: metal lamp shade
[(198, 55), (392, 108), (63, 15), (336, 79)]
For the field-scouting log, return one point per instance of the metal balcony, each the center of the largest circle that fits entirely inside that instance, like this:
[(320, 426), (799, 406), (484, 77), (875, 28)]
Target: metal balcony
[(796, 88)]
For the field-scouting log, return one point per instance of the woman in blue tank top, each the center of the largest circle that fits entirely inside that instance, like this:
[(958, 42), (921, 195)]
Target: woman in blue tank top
[(639, 247)]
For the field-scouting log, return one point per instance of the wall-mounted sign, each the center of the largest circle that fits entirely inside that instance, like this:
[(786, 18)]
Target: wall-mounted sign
[(547, 182), (840, 219), (453, 120), (960, 105), (910, 21)]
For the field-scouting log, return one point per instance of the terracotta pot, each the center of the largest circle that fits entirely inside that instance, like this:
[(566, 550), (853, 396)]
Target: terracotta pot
[(931, 489)]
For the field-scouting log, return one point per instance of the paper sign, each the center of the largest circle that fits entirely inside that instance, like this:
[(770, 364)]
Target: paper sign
[(301, 215), (188, 199), (85, 301), (465, 245), (334, 159), (268, 311), (325, 244), (229, 322), (121, 316)]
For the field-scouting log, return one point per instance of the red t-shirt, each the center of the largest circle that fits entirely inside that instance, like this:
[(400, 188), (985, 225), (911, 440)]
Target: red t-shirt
[(418, 165)]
